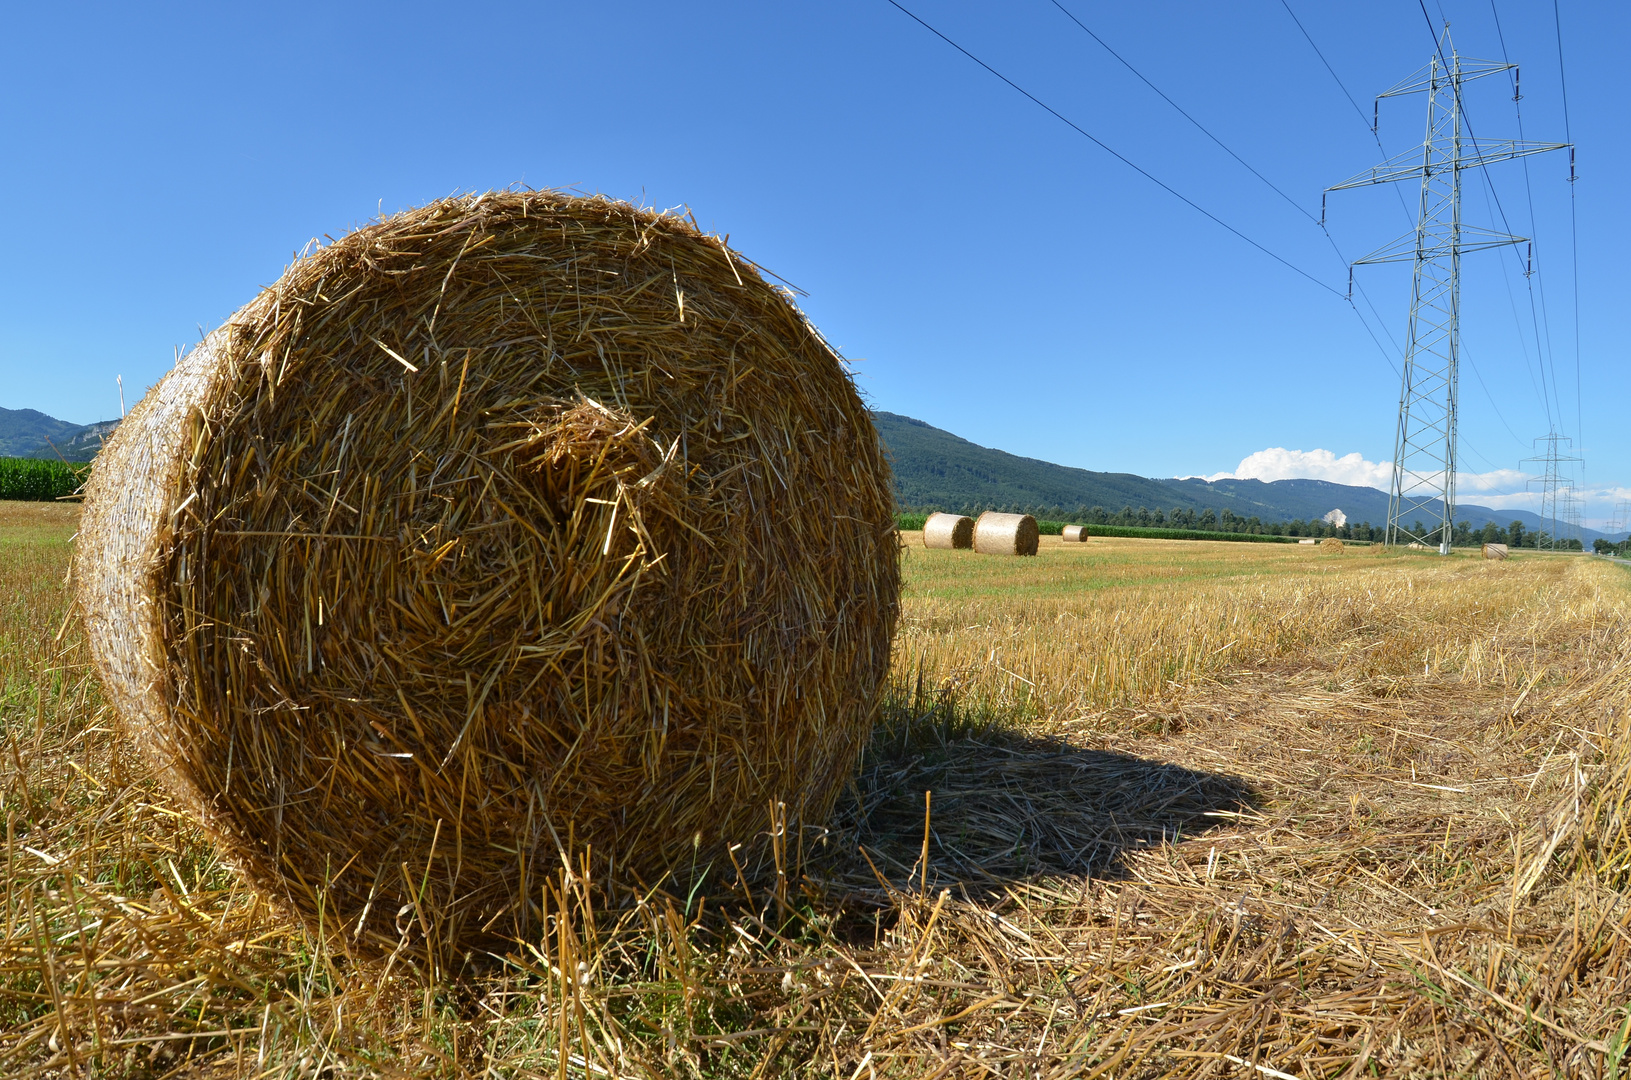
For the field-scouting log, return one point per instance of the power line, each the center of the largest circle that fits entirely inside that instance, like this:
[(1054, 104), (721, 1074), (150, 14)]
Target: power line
[(1369, 125), (1487, 394), (1113, 153), (1328, 67), (1574, 228), (1529, 191), (1181, 112), (1539, 365), (1266, 181)]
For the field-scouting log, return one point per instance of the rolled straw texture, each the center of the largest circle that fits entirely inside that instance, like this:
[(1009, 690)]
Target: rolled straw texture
[(1074, 534), (1331, 544), (514, 528), (1495, 551), (1005, 534), (948, 531)]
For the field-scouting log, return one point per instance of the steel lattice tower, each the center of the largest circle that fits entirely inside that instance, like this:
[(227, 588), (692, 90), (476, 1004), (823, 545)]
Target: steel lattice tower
[(1424, 448), (1557, 502)]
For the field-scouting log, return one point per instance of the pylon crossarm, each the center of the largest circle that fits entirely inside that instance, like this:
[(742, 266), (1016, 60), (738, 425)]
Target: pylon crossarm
[(1474, 154), (1480, 152), (1398, 167), (1407, 248), (1433, 75)]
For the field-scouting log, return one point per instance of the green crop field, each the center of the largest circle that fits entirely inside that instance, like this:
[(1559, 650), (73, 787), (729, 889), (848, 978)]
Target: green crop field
[(1133, 808), (34, 479)]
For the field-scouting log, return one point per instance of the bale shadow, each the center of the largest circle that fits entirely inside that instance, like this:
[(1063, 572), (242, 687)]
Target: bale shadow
[(1009, 806)]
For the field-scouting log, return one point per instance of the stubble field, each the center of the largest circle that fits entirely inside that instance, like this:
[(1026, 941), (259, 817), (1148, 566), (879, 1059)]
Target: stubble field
[(1134, 808)]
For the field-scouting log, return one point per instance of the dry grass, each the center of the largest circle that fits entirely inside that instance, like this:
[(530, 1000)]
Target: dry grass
[(1373, 836)]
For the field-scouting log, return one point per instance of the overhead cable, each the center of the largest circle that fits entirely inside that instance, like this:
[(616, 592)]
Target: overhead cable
[(1370, 125), (1574, 226), (1115, 154), (1251, 169)]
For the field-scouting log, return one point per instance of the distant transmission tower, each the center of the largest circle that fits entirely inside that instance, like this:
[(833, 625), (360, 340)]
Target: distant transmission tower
[(1621, 521), (1557, 503), (1571, 516), (1424, 445)]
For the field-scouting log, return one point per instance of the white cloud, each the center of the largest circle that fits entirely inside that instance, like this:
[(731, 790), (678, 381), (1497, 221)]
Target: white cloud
[(1501, 480), (1278, 463)]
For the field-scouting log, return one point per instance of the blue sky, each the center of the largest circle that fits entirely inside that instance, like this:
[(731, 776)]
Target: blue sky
[(998, 274)]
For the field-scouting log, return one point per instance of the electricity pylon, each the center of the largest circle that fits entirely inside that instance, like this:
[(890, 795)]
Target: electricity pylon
[(1556, 490), (1572, 515), (1424, 447), (1621, 521)]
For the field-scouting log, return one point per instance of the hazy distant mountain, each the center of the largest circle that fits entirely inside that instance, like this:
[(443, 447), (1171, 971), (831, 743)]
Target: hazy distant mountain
[(936, 470), (31, 433), (1314, 498)]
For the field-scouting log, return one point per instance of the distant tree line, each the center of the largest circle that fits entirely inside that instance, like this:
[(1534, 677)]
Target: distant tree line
[(1208, 520)]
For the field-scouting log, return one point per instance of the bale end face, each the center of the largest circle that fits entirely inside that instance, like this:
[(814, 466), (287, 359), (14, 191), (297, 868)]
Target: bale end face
[(468, 547), (948, 531), (1005, 534)]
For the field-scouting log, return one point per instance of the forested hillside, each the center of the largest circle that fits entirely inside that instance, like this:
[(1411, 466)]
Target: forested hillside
[(936, 470)]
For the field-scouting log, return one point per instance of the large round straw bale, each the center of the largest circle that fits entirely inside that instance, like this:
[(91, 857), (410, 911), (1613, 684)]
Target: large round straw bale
[(1331, 544), (1005, 534), (948, 531), (1496, 551), (1074, 534), (514, 528)]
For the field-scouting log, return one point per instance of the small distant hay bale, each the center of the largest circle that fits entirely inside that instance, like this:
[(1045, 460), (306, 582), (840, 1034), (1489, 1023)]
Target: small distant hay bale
[(1075, 534), (1005, 534), (1496, 551), (1309, 542), (1416, 545), (1331, 544), (951, 531), (511, 529)]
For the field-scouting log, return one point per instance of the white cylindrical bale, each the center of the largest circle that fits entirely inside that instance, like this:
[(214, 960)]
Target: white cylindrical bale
[(1005, 534), (948, 531)]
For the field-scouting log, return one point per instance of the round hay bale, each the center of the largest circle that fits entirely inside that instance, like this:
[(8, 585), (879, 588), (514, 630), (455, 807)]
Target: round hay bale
[(1074, 534), (1331, 544), (1005, 534), (948, 531), (1496, 551), (512, 529)]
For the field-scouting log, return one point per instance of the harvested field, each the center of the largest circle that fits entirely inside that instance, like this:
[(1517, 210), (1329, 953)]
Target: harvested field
[(1194, 809)]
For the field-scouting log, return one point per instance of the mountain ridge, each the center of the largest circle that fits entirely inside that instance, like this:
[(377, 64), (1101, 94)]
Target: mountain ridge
[(29, 433), (937, 470)]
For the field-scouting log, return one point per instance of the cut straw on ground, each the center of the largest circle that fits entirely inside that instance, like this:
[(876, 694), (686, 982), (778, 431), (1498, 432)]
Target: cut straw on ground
[(1311, 848)]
